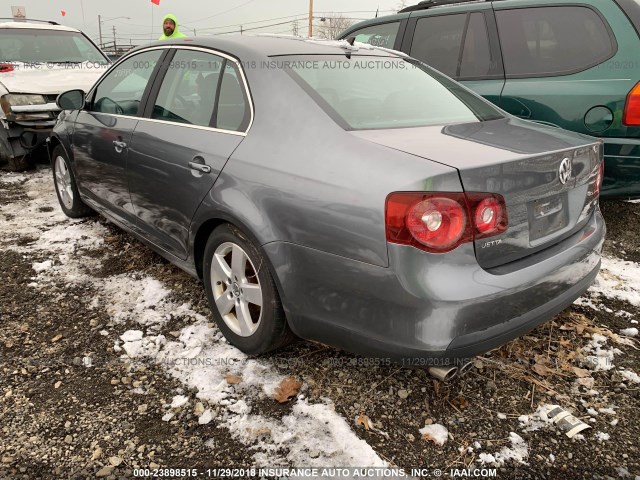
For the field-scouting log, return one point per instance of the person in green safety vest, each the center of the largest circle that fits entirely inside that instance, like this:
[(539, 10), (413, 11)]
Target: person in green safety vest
[(170, 28)]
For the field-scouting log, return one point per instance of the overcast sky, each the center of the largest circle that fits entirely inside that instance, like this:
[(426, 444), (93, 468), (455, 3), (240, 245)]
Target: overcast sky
[(210, 16)]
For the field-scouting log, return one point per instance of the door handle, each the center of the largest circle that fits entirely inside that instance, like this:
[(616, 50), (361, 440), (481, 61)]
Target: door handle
[(119, 145), (198, 164)]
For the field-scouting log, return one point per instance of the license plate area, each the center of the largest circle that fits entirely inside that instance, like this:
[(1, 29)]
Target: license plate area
[(547, 216)]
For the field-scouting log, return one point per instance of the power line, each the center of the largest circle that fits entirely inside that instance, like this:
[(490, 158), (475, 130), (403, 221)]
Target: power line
[(220, 13)]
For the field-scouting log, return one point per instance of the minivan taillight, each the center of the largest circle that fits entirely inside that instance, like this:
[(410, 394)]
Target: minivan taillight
[(631, 116), (439, 222)]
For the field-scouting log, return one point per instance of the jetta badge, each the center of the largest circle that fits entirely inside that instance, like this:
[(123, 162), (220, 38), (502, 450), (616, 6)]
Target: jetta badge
[(564, 172)]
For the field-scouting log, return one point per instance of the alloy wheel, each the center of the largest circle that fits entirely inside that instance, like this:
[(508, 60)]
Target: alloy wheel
[(236, 289)]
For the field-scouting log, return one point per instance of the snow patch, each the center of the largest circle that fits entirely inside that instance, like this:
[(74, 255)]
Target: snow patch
[(629, 332), (437, 432), (518, 452), (630, 376)]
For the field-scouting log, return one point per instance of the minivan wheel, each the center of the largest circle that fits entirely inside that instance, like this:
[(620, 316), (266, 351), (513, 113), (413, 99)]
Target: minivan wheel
[(66, 189), (242, 293)]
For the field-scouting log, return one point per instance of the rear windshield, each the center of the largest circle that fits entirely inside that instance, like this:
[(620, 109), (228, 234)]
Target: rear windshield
[(42, 46), (385, 92)]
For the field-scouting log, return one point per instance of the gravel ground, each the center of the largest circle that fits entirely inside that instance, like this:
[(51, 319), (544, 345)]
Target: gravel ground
[(73, 406)]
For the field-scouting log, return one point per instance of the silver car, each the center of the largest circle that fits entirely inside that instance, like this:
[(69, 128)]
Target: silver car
[(340, 193)]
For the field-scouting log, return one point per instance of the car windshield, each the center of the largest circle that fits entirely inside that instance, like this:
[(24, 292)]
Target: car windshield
[(35, 45), (369, 92)]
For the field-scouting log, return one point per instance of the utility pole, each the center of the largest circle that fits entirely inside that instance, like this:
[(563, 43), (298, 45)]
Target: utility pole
[(295, 28), (310, 18), (100, 29), (240, 29), (194, 33), (115, 48)]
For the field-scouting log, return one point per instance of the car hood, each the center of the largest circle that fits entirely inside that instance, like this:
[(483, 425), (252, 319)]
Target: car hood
[(50, 79)]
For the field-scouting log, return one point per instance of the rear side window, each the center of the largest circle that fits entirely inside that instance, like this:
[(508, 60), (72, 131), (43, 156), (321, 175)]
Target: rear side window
[(188, 91), (457, 45), (546, 41), (437, 42), (383, 35), (232, 110), (387, 92)]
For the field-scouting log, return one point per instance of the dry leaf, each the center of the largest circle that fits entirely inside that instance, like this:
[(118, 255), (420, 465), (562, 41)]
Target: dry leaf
[(567, 326), (587, 382), (564, 342), (289, 387), (581, 372), (364, 421), (259, 432), (579, 329), (436, 386), (460, 402), (232, 379), (541, 369), (56, 338), (541, 359)]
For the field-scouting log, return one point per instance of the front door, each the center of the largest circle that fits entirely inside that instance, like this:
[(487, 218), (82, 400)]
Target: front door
[(103, 133), (198, 118)]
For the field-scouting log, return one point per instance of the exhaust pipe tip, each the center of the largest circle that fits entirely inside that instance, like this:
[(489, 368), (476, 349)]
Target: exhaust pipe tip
[(465, 368), (444, 374)]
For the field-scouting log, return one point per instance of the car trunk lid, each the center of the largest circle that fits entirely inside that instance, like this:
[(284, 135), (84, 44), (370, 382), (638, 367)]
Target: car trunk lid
[(546, 176)]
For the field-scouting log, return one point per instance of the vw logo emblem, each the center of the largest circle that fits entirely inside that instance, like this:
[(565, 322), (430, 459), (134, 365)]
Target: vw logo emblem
[(564, 172)]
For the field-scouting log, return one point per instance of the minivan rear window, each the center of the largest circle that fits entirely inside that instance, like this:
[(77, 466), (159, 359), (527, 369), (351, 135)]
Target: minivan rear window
[(553, 40), (370, 92)]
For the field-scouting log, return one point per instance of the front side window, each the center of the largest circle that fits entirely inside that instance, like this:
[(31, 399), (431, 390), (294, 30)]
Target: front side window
[(383, 35), (121, 91), (47, 46), (188, 91), (552, 40), (387, 92)]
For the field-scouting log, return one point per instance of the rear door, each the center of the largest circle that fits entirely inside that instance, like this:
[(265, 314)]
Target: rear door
[(553, 58), (460, 41), (197, 115)]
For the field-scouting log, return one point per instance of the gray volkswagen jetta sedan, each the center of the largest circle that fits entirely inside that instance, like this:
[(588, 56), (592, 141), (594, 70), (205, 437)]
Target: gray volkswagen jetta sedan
[(340, 193)]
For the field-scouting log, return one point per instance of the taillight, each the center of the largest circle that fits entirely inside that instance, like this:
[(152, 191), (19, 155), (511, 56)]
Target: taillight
[(6, 67), (597, 187), (631, 116), (439, 222)]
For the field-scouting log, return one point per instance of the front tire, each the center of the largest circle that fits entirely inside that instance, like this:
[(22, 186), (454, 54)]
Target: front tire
[(66, 188), (242, 293)]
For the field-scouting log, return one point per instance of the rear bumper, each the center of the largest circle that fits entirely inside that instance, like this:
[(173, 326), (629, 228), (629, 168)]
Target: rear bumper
[(430, 306), (621, 168)]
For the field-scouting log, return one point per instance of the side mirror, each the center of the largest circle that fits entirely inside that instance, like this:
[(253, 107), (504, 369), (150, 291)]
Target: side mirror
[(71, 100)]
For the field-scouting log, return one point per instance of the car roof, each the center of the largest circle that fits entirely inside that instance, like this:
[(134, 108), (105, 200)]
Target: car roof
[(260, 46), (39, 26)]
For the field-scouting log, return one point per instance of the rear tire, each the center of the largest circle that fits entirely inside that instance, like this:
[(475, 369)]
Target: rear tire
[(242, 293), (66, 188)]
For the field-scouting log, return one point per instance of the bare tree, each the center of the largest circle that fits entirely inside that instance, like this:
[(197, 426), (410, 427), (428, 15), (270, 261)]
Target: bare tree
[(332, 26), (401, 4)]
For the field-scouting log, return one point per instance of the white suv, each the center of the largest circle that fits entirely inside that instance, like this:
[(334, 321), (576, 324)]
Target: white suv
[(38, 61)]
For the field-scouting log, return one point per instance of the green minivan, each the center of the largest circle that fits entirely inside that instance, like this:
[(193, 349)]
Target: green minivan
[(573, 64)]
